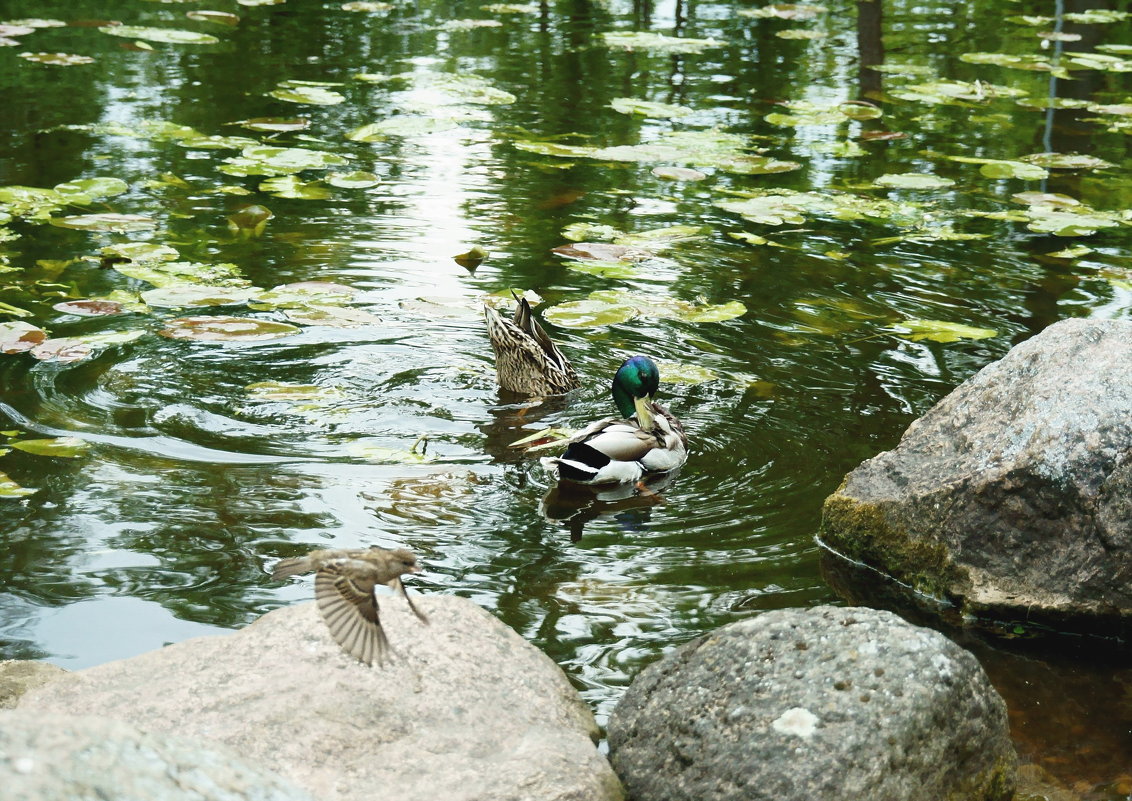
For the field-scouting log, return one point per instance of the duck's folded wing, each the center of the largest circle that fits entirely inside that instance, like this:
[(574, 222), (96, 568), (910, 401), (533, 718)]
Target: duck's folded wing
[(622, 442)]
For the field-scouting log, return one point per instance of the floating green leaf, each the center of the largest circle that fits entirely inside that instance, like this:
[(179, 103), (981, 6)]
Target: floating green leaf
[(1018, 62), (87, 190), (197, 295), (941, 331), (275, 124), (795, 11), (141, 252), (332, 316), (10, 489), (469, 24), (1067, 161), (57, 59), (217, 17), (611, 306), (649, 108), (294, 188), (656, 42), (913, 180), (58, 447), (367, 6), (164, 35), (1014, 169), (372, 452), (265, 160), (282, 391), (403, 125), (107, 222), (169, 273), (307, 93), (353, 180), (226, 329), (678, 173), (955, 92), (801, 33)]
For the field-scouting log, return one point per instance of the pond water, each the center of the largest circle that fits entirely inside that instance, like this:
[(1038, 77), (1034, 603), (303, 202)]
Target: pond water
[(871, 182)]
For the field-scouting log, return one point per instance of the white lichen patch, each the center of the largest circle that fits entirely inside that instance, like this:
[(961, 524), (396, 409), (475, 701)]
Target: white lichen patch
[(796, 721)]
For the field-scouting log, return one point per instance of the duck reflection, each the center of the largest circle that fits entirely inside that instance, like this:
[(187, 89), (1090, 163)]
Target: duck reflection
[(629, 504)]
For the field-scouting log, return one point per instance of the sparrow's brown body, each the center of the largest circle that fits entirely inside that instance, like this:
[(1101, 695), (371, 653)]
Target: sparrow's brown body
[(343, 588)]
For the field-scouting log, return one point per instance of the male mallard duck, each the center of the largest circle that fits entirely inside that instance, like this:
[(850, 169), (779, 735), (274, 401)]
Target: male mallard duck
[(621, 451), (526, 361)]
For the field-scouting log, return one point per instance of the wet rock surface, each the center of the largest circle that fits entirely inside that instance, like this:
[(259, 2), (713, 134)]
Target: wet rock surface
[(467, 709), (1012, 497), (844, 703)]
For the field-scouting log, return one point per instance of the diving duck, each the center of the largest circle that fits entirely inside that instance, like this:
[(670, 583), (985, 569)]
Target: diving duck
[(649, 440), (526, 361)]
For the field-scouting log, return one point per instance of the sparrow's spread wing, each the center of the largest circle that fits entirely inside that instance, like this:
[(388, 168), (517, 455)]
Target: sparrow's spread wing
[(349, 607)]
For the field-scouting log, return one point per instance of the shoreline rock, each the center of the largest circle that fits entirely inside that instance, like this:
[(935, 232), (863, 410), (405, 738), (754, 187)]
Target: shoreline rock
[(827, 703), (1012, 497), (466, 709)]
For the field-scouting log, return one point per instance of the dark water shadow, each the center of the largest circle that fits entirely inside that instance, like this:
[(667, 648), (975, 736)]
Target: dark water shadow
[(1068, 697)]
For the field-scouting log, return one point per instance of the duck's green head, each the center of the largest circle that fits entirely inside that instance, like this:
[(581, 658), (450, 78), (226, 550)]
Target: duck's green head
[(634, 385)]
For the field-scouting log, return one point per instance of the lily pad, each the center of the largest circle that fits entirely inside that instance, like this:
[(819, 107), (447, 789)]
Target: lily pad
[(331, 315), (404, 125), (226, 329), (87, 190), (941, 331), (217, 17), (656, 42), (168, 273), (89, 308), (367, 6), (107, 222), (913, 180), (275, 124), (678, 173), (141, 252), (611, 306), (1067, 161), (18, 337), (57, 59), (1014, 169), (307, 94), (353, 180), (372, 452), (177, 296), (163, 35), (10, 489), (283, 391), (272, 161), (794, 11), (649, 108), (294, 188), (58, 447)]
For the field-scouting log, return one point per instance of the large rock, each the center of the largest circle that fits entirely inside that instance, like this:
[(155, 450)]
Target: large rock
[(828, 703), (466, 710), (49, 757), (1013, 496)]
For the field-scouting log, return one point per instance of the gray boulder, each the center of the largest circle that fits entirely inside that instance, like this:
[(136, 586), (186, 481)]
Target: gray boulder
[(466, 710), (828, 703), (1012, 497), (49, 757)]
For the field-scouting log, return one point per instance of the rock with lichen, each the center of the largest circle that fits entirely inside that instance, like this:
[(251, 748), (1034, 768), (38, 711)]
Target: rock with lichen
[(828, 703), (1012, 497)]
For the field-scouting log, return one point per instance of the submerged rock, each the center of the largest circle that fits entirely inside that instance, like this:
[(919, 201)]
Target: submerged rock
[(17, 676), (1012, 497), (827, 703), (58, 757), (466, 709)]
